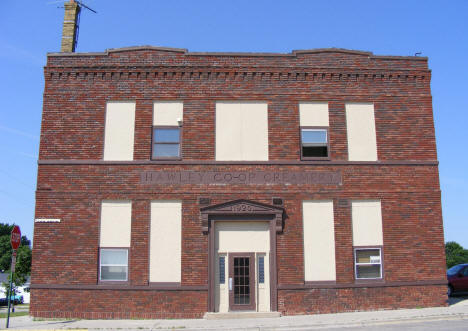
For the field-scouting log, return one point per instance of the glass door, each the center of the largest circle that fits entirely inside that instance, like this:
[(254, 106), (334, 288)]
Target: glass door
[(241, 281)]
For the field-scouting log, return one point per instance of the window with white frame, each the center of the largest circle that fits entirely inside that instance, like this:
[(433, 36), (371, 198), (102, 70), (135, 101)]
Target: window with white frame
[(167, 130), (115, 238), (368, 263), (166, 142), (313, 118), (113, 264)]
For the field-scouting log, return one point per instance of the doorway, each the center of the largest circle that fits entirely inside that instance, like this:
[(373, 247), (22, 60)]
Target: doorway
[(242, 281), (240, 226), (242, 274)]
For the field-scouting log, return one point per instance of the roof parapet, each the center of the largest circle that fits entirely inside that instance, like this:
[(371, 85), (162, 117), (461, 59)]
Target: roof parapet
[(293, 53)]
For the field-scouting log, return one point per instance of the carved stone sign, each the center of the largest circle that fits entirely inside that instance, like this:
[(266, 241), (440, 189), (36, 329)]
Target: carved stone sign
[(240, 177), (242, 207)]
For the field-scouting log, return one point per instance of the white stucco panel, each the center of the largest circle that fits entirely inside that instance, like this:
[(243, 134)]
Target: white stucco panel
[(119, 131), (367, 223), (165, 242), (116, 224), (360, 122), (242, 237), (313, 114), (167, 112), (319, 241), (241, 131), (228, 131), (254, 137)]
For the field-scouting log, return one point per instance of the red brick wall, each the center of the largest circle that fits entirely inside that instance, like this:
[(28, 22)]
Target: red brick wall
[(103, 304), (76, 92), (326, 301), (77, 89)]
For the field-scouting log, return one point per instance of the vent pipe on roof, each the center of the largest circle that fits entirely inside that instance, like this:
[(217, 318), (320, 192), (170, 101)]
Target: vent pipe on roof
[(70, 26)]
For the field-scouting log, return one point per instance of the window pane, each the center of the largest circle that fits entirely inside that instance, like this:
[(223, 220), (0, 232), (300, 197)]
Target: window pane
[(454, 270), (261, 270), (368, 271), (114, 273), (314, 136), (222, 270), (166, 150), (368, 256), (114, 256), (166, 135), (314, 151)]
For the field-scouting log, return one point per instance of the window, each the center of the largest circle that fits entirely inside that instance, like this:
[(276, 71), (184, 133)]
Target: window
[(115, 237), (166, 142), (261, 269), (167, 130), (455, 270), (313, 120), (368, 263), (222, 270), (113, 264), (314, 143)]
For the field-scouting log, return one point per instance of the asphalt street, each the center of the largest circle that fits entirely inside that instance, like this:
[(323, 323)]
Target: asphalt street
[(452, 325)]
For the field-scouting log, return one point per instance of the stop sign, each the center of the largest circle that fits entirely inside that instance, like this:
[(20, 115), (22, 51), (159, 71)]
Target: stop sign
[(15, 237)]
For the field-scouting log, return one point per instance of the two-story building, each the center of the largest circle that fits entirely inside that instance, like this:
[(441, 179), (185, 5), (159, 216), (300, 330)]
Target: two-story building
[(173, 183)]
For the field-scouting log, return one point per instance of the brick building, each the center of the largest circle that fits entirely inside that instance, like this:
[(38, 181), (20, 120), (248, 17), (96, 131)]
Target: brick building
[(173, 183)]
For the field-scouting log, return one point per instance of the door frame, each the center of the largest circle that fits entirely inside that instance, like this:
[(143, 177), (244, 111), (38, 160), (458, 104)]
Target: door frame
[(252, 277), (242, 210)]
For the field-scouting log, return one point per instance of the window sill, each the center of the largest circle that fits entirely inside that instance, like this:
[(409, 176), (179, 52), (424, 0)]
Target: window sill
[(369, 281), (315, 158), (113, 282), (167, 159), (321, 283)]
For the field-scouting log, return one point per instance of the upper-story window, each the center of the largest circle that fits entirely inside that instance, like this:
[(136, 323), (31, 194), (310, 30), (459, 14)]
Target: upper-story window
[(166, 142), (241, 131), (167, 130), (314, 143), (360, 123), (314, 131)]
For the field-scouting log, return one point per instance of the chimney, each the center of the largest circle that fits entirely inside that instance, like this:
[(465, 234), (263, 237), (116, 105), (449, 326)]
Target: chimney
[(70, 26)]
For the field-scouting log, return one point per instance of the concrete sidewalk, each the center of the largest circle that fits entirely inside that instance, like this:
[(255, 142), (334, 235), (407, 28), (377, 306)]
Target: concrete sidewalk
[(457, 311)]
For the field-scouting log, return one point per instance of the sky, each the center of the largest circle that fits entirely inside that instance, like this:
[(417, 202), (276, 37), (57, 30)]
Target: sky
[(29, 29)]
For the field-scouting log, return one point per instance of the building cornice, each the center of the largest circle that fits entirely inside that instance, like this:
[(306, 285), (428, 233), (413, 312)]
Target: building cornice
[(236, 163), (162, 63), (311, 74)]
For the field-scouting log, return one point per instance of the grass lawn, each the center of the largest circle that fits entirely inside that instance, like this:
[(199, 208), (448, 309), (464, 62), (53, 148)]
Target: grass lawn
[(15, 314)]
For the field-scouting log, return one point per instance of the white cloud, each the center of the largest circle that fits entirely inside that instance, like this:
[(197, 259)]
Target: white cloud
[(18, 132)]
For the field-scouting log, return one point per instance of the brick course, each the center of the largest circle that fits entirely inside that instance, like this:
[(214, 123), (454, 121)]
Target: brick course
[(77, 88)]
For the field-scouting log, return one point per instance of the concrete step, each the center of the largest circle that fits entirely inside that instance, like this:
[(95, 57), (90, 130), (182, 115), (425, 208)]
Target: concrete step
[(240, 315)]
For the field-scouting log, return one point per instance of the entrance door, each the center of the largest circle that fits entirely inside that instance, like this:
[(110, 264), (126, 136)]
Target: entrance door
[(241, 281)]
